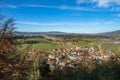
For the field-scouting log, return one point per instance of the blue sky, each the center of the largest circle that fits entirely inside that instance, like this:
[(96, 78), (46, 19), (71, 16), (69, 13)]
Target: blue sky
[(75, 16)]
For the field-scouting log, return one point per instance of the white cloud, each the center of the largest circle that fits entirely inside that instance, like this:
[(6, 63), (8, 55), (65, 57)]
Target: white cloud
[(81, 1), (73, 14), (94, 23), (63, 7), (103, 3), (12, 6), (100, 3), (106, 3), (118, 15), (8, 6), (39, 6), (50, 24), (37, 23)]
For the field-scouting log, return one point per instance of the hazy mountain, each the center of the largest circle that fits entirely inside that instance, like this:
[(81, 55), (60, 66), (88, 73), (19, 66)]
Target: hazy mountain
[(114, 33), (39, 33)]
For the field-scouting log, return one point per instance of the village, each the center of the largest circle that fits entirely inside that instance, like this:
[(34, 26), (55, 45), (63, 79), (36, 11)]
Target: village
[(71, 57)]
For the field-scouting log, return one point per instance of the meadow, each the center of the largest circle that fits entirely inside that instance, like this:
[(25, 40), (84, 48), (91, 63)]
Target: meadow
[(48, 45)]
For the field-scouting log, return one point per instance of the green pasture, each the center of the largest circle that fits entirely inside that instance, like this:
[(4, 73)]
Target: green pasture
[(115, 48), (47, 45)]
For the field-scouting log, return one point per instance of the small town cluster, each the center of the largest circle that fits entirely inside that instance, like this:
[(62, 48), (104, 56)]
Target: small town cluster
[(64, 58), (70, 57)]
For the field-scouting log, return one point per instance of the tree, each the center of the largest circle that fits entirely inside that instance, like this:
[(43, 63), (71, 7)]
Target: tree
[(6, 36), (13, 64)]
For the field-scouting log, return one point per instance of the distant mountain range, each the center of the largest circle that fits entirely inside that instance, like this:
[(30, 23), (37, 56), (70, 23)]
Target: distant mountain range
[(113, 33), (40, 33)]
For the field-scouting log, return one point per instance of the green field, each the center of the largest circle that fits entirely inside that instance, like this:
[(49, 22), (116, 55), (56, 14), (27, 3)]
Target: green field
[(46, 45), (113, 47)]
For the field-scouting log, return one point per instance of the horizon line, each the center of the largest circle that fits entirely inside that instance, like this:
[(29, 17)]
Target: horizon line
[(67, 32)]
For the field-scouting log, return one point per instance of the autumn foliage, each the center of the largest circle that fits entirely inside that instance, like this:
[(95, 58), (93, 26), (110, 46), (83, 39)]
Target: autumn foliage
[(13, 64)]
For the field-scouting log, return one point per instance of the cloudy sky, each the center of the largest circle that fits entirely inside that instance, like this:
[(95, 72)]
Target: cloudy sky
[(78, 16)]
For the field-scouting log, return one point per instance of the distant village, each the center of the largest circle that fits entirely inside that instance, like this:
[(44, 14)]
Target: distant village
[(70, 57)]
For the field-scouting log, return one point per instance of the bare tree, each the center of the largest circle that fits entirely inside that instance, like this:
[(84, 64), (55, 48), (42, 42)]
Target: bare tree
[(6, 35), (12, 62)]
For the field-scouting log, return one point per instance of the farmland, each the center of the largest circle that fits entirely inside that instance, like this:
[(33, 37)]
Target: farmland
[(47, 45), (63, 54)]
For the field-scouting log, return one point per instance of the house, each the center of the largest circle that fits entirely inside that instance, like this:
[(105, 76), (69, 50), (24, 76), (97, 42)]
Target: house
[(102, 51), (93, 57), (52, 62), (72, 57), (63, 63), (51, 56), (78, 48)]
